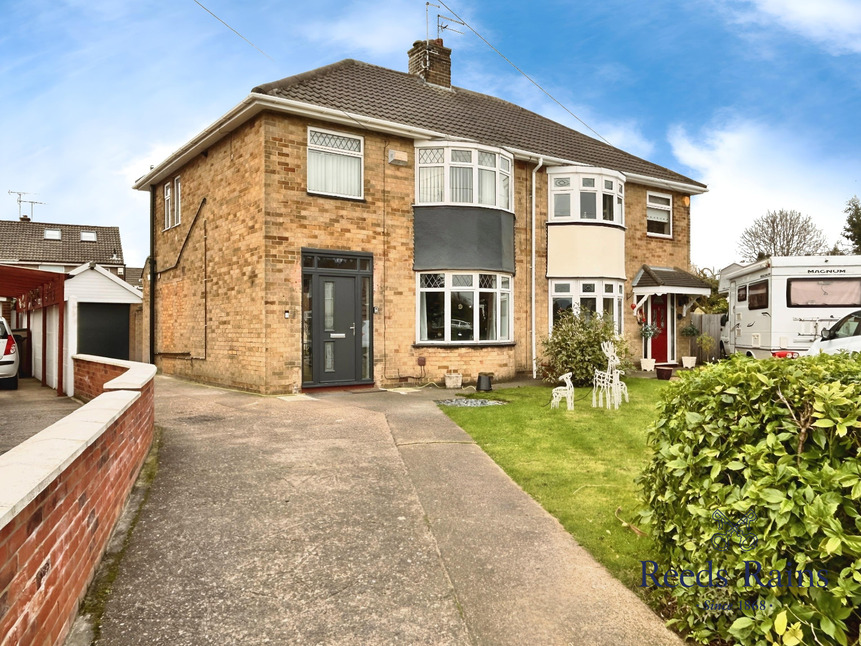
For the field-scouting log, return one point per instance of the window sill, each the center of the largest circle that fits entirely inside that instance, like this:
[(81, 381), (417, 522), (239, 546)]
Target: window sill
[(659, 235), (464, 344), (586, 222), (329, 196)]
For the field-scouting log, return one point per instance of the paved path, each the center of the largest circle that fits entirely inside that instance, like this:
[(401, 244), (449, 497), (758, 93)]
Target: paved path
[(28, 410), (349, 519)]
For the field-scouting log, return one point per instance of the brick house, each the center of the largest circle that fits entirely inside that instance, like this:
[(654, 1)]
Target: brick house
[(57, 248), (359, 225)]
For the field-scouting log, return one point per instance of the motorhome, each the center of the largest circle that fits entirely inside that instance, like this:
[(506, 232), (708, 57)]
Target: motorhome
[(778, 306)]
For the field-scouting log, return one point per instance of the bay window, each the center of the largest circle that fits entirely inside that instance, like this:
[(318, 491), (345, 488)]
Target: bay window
[(587, 194), (464, 307), (587, 295), (463, 174), (335, 164)]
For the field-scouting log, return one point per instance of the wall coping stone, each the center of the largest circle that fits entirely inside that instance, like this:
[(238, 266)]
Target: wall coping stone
[(137, 374), (27, 469)]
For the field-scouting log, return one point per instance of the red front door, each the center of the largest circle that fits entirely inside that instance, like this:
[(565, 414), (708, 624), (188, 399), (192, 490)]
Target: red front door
[(659, 318)]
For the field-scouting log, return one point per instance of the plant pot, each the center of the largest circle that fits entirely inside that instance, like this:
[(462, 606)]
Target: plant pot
[(664, 372), (647, 364), (689, 362), (453, 380)]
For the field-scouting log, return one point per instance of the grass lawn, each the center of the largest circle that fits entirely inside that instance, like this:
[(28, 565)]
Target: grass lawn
[(579, 465)]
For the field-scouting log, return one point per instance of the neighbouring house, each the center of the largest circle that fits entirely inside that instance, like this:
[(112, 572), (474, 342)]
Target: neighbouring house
[(359, 225), (88, 310), (58, 248)]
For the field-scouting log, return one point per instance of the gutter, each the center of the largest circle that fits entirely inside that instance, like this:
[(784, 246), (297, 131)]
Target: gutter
[(534, 337)]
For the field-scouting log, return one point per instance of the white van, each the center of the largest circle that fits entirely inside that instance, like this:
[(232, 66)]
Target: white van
[(779, 306)]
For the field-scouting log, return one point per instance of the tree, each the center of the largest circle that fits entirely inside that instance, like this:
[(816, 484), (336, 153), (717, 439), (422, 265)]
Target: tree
[(714, 304), (852, 230), (781, 233)]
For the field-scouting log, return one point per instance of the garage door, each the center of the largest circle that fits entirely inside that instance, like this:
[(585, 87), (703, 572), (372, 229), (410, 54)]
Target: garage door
[(103, 330)]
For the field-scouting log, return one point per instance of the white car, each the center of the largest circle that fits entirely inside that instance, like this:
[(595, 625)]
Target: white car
[(843, 335), (9, 357)]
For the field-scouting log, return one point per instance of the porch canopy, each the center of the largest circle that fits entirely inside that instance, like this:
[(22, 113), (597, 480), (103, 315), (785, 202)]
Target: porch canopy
[(34, 290), (657, 281)]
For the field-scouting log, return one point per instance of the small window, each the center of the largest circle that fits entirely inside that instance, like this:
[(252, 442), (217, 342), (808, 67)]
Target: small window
[(53, 234), (168, 214), (588, 182), (659, 219), (88, 236), (335, 164), (758, 296), (177, 199), (741, 295)]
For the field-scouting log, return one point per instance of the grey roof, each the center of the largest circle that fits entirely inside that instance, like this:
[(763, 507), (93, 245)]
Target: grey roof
[(380, 93), (667, 277), (25, 242), (134, 276)]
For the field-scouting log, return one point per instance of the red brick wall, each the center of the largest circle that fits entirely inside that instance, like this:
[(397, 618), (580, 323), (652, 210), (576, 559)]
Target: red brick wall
[(91, 377), (49, 551)]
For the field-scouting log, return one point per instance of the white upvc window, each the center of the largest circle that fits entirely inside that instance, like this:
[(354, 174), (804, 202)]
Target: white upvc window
[(659, 215), (53, 234), (449, 173), (335, 164), (177, 201), (587, 195), (88, 236), (464, 307), (168, 203), (587, 295)]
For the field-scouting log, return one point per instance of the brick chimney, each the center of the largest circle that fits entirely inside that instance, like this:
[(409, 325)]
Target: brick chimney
[(430, 60)]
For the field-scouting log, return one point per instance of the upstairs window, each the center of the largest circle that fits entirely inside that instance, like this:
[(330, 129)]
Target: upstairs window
[(88, 236), (589, 195), (335, 164), (53, 234), (659, 215), (168, 205), (457, 174)]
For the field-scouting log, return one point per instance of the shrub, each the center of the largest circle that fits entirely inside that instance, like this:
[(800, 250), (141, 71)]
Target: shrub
[(575, 346), (780, 439)]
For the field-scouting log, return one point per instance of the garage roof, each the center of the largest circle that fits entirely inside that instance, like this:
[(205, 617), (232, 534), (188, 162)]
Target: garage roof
[(17, 281)]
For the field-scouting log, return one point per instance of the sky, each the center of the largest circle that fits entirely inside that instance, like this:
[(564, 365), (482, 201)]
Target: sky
[(758, 99)]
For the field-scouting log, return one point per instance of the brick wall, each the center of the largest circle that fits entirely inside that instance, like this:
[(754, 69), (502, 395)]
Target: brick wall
[(54, 531), (91, 377), (641, 248)]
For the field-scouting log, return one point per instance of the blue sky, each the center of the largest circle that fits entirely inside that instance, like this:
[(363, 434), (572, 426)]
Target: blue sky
[(759, 99)]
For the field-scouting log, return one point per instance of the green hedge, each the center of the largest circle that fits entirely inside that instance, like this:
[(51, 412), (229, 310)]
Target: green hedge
[(780, 439)]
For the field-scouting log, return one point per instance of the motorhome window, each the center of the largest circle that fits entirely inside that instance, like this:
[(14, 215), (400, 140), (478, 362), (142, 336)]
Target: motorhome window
[(758, 296), (742, 293), (823, 292)]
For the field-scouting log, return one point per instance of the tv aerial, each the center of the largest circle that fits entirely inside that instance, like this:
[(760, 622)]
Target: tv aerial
[(21, 194)]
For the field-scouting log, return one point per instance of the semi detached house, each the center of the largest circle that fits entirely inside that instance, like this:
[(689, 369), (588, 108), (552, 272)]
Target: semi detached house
[(358, 225)]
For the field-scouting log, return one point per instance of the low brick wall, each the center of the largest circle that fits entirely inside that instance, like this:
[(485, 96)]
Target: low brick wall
[(61, 493)]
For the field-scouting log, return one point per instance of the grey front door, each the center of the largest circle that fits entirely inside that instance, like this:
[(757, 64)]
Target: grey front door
[(338, 329)]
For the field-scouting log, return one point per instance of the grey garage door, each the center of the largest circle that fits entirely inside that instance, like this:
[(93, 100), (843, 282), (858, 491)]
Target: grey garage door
[(103, 330)]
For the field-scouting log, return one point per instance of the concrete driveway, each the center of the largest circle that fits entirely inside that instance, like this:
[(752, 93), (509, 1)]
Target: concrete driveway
[(349, 519), (28, 410)]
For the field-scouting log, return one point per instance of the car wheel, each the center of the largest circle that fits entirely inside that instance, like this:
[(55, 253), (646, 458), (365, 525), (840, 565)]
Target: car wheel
[(9, 384)]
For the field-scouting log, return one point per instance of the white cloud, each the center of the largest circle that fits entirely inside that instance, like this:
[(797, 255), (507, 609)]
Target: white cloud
[(751, 168), (382, 29), (833, 24)]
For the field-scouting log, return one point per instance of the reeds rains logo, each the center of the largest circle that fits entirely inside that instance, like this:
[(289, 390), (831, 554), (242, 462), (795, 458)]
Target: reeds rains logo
[(731, 533)]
